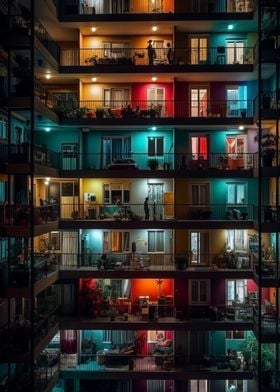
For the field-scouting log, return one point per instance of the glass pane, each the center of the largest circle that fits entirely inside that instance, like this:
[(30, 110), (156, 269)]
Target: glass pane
[(203, 291), (194, 291)]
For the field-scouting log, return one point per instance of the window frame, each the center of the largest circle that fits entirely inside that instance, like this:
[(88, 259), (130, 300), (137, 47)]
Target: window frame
[(199, 301), (157, 241), (158, 150)]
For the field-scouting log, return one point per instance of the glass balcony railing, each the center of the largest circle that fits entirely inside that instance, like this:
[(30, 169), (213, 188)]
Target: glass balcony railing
[(91, 7), (219, 55), (19, 214)]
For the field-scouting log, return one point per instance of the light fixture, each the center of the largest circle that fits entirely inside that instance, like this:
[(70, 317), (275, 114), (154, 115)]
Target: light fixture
[(230, 27), (46, 183), (241, 127), (154, 78), (154, 28), (154, 128), (93, 79), (48, 76), (93, 29), (47, 129), (48, 179)]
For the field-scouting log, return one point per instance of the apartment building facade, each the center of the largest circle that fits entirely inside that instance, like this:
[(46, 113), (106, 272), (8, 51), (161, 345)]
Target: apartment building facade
[(139, 191)]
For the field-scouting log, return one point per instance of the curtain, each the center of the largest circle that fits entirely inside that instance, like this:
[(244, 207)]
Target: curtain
[(155, 385), (68, 341), (69, 248), (118, 338)]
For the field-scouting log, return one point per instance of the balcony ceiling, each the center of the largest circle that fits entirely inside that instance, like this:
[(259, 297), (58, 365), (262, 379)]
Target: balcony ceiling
[(145, 28), (146, 77)]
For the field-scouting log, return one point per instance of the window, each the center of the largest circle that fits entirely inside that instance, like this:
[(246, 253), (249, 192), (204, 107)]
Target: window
[(236, 100), (155, 385), (236, 290), (236, 193), (115, 97), (199, 292), (113, 193), (155, 146), (235, 52), (156, 241), (199, 49), (3, 128), (116, 241), (3, 191), (3, 248), (236, 385), (156, 97), (236, 240), (69, 189), (116, 49), (199, 386), (199, 247), (199, 101), (199, 194), (235, 334), (115, 148), (199, 145)]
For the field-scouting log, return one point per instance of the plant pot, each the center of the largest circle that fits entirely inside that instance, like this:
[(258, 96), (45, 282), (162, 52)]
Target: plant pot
[(267, 160)]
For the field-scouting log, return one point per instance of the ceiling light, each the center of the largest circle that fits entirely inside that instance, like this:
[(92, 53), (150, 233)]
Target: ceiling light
[(93, 79), (230, 27), (48, 179), (46, 182), (93, 29), (241, 127), (154, 78), (47, 129), (154, 128), (154, 28), (48, 76)]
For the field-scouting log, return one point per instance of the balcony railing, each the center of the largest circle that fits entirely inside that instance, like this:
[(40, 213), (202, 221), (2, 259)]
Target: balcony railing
[(154, 261), (166, 162), (157, 212), (218, 55), (270, 214), (20, 153), (113, 361), (44, 266), (156, 7), (143, 109), (19, 214), (269, 321), (45, 38)]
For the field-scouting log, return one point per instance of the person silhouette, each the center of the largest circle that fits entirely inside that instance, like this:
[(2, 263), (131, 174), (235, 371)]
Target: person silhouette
[(146, 209), (151, 52)]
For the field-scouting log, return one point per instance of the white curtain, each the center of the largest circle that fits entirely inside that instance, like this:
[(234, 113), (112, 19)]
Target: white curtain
[(69, 248)]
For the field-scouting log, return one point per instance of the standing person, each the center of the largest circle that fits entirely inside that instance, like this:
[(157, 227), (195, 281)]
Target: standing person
[(170, 54), (151, 52), (146, 209)]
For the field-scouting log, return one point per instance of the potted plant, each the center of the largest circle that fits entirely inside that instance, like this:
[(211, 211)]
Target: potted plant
[(99, 112), (153, 164), (268, 145), (81, 112)]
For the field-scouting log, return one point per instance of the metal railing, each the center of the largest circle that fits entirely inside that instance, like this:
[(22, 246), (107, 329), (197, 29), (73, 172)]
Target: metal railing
[(19, 214), (158, 7), (218, 55), (42, 94), (127, 261), (269, 322), (157, 212), (20, 273), (143, 109), (44, 37)]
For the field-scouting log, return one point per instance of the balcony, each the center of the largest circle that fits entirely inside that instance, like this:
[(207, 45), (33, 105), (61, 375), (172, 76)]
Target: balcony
[(158, 7), (154, 262), (157, 212), (131, 365), (16, 339), (168, 112), (211, 59), (17, 157), (123, 164)]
